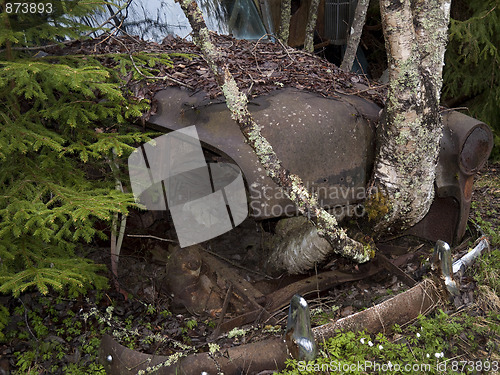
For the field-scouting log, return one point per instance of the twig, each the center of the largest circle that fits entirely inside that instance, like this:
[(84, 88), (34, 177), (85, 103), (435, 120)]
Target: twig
[(150, 236), (239, 266), (454, 109), (368, 89), (288, 50), (106, 38), (26, 319), (116, 244), (166, 77), (249, 90), (216, 331)]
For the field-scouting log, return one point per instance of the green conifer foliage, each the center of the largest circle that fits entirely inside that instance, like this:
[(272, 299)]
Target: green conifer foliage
[(61, 118), (472, 71)]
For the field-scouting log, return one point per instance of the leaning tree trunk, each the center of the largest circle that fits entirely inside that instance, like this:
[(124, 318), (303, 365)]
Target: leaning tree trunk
[(411, 127), (311, 25), (291, 184), (354, 35)]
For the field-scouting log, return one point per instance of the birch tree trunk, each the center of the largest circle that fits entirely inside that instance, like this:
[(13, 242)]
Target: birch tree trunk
[(409, 133), (354, 35), (285, 15), (291, 184), (311, 25)]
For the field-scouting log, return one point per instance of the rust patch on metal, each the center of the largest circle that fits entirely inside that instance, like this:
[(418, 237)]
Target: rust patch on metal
[(468, 185)]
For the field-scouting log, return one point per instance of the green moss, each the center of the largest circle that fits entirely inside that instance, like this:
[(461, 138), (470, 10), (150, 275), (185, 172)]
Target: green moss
[(377, 206)]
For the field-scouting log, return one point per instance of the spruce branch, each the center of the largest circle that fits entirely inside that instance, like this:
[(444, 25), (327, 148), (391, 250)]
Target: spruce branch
[(54, 184)]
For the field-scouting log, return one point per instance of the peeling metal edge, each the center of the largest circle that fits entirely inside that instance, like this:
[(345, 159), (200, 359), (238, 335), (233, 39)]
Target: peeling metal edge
[(263, 355), (400, 309)]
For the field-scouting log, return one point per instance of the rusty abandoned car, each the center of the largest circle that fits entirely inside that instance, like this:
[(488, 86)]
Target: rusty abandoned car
[(325, 134), (322, 124)]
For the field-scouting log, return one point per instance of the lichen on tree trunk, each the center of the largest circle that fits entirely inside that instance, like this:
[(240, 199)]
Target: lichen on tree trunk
[(411, 127), (285, 15), (310, 26), (292, 185)]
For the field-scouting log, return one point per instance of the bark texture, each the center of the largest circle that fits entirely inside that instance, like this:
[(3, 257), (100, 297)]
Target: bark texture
[(355, 35), (293, 186), (311, 25), (285, 15), (411, 127), (296, 246)]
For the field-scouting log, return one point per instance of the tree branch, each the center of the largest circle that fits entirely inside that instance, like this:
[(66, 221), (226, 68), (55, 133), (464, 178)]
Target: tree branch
[(291, 184), (431, 27)]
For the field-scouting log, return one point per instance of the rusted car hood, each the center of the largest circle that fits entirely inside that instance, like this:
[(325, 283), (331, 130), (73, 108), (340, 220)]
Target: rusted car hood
[(329, 142)]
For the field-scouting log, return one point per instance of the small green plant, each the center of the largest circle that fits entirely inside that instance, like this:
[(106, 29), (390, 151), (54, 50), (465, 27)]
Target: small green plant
[(165, 313), (211, 323), (91, 346), (213, 348), (37, 324), (92, 369), (235, 332), (4, 320), (321, 315), (151, 309), (191, 324), (487, 271), (272, 329)]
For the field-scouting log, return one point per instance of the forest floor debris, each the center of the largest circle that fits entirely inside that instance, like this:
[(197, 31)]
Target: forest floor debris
[(61, 334)]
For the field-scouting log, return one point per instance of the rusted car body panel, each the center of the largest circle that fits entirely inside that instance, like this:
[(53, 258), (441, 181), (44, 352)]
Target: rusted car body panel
[(465, 146), (329, 142)]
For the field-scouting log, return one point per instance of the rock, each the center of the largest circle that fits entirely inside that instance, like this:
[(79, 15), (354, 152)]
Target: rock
[(346, 311), (187, 285)]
